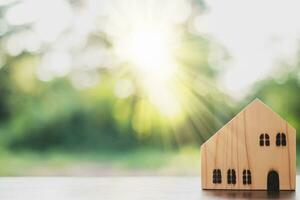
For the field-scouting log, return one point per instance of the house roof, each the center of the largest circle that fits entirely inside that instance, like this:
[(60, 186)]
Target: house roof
[(257, 103)]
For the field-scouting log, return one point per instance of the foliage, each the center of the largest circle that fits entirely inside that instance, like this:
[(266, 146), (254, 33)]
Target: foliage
[(281, 93), (115, 84), (112, 104)]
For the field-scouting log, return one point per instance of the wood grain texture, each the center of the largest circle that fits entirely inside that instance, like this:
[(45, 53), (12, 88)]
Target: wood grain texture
[(236, 146)]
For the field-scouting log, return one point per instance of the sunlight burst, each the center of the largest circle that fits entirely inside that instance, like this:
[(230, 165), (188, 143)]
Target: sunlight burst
[(151, 51)]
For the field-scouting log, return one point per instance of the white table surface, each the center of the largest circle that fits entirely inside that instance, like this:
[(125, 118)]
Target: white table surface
[(113, 188)]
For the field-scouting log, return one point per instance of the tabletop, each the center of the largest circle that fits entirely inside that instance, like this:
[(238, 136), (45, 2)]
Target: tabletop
[(113, 188)]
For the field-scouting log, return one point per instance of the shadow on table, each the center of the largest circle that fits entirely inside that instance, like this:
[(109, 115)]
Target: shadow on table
[(250, 194)]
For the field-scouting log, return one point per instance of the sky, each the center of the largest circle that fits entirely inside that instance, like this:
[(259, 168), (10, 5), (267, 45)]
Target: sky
[(256, 34)]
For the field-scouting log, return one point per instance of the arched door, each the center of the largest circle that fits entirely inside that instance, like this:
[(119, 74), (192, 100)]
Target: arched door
[(273, 181)]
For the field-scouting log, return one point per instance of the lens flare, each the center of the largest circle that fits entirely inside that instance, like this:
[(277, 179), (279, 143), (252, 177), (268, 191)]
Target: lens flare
[(150, 50)]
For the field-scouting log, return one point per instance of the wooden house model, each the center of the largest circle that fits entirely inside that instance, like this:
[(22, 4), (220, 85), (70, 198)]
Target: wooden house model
[(256, 150)]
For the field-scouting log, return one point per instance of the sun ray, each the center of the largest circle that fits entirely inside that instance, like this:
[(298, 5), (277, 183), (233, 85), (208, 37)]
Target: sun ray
[(172, 81)]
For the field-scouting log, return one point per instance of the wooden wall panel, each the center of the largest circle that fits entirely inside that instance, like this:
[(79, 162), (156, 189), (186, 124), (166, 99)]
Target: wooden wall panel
[(236, 146)]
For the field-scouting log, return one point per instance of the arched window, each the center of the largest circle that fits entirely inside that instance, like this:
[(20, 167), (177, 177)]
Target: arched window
[(280, 139), (217, 177), (283, 139), (247, 177), (231, 176), (261, 140), (267, 140), (249, 181), (244, 177), (264, 139)]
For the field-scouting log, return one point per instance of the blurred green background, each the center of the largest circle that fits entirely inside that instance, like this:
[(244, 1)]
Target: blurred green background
[(103, 87)]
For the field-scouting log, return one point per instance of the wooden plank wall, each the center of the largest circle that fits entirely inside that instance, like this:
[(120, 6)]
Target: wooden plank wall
[(236, 146)]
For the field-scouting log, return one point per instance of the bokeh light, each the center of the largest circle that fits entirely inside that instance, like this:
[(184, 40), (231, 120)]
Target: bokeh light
[(115, 76)]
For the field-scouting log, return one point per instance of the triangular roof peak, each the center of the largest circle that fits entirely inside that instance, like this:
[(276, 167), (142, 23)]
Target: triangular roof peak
[(258, 102), (255, 103)]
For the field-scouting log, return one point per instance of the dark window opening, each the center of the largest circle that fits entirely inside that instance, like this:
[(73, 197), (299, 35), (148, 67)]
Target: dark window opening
[(273, 181), (261, 140), (247, 177), (217, 177), (280, 139), (264, 140), (231, 176), (283, 139), (244, 177), (267, 139)]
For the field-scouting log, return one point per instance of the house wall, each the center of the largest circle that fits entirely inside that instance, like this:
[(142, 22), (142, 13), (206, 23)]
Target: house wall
[(236, 146)]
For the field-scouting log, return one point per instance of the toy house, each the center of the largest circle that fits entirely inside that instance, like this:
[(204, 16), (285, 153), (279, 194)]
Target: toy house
[(256, 150)]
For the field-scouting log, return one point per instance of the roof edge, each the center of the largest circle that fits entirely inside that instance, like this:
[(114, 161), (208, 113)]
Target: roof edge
[(268, 107), (245, 108)]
